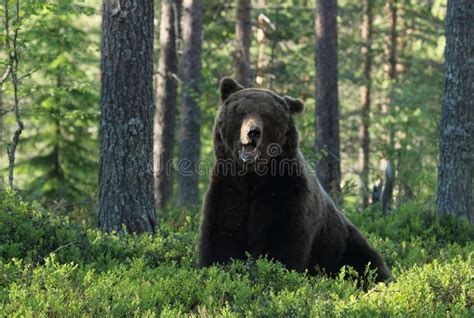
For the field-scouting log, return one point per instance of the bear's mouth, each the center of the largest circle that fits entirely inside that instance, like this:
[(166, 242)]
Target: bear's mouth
[(248, 153)]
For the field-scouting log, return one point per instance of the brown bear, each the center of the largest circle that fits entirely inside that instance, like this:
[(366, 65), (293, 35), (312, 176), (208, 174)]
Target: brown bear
[(264, 200)]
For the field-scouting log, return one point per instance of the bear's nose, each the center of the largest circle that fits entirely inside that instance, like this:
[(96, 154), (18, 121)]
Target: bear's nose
[(254, 134)]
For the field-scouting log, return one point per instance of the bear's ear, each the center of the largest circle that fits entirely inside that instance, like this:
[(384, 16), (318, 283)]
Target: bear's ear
[(296, 105), (228, 86)]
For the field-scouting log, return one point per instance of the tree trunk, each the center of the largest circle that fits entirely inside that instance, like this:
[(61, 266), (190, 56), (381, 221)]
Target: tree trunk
[(456, 163), (12, 48), (178, 31), (243, 31), (365, 95), (387, 189), (261, 49), (1, 113), (126, 121), (165, 113), (3, 77), (190, 117), (391, 47), (404, 42), (327, 109), (390, 76)]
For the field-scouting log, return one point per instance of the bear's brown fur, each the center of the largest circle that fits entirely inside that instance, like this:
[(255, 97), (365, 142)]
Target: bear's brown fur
[(280, 213)]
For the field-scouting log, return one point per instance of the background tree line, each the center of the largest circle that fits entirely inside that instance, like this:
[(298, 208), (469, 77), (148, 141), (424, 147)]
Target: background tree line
[(370, 73)]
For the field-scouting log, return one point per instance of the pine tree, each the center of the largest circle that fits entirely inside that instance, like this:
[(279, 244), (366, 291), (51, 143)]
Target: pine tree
[(190, 145), (365, 96), (63, 111), (327, 108), (126, 190), (456, 161), (166, 95), (243, 32)]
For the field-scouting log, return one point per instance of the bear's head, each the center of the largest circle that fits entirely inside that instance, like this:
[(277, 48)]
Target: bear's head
[(254, 125)]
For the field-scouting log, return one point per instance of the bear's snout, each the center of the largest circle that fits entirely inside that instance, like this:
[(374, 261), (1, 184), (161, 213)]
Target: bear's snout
[(254, 134), (251, 130)]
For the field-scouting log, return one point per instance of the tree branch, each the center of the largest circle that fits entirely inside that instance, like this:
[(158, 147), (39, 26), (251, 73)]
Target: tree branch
[(5, 75)]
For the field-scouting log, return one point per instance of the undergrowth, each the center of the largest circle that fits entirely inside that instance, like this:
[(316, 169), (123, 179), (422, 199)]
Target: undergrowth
[(52, 266)]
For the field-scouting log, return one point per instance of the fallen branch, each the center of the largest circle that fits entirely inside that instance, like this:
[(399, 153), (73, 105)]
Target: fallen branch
[(63, 246)]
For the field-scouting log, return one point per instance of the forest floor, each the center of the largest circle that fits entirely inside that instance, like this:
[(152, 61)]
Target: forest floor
[(54, 266)]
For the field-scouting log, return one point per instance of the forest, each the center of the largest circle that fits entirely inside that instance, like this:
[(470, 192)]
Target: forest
[(109, 143)]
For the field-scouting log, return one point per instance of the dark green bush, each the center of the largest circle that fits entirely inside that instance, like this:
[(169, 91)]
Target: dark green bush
[(54, 267), (29, 233)]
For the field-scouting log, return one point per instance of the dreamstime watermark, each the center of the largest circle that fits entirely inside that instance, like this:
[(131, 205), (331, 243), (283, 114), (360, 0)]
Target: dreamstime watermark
[(269, 163)]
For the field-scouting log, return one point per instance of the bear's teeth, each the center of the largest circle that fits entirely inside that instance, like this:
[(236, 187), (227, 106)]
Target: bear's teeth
[(248, 155)]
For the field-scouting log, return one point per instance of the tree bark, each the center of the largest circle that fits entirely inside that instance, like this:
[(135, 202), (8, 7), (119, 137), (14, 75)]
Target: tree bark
[(243, 31), (456, 162), (189, 151), (327, 109), (365, 96), (126, 122), (165, 113)]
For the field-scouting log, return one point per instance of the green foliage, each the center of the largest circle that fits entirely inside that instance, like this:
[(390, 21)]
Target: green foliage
[(64, 106), (52, 266), (59, 97), (59, 67)]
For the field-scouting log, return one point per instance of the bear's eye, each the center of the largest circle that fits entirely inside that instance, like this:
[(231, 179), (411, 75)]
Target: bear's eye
[(241, 115)]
